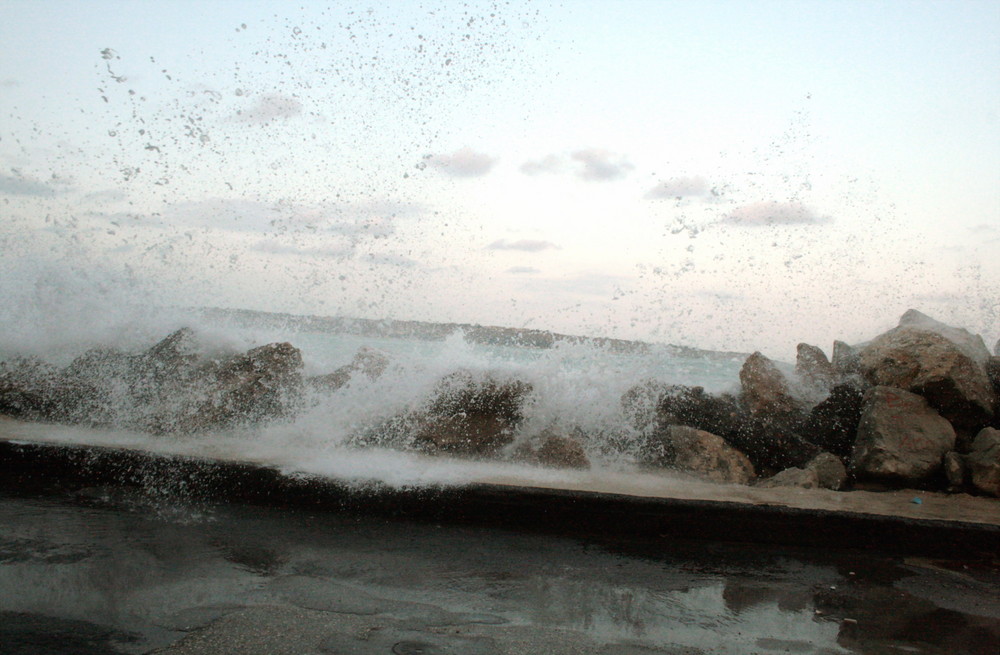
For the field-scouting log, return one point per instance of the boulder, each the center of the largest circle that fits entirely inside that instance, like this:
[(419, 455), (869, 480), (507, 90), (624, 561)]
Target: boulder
[(972, 345), (993, 373), (927, 363), (833, 423), (829, 469), (31, 389), (900, 438), (983, 461), (555, 451), (765, 390), (813, 368), (845, 359), (262, 384), (698, 452), (792, 477), (472, 415), (641, 402), (691, 406)]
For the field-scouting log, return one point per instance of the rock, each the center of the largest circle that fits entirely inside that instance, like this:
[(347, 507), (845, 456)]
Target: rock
[(640, 403), (983, 461), (954, 468), (996, 348), (470, 416), (556, 451), (829, 469), (972, 345), (926, 363), (845, 359), (993, 373), (833, 423), (770, 441), (765, 390), (813, 368), (691, 406), (367, 361), (264, 383), (792, 477), (31, 389), (900, 437), (695, 451)]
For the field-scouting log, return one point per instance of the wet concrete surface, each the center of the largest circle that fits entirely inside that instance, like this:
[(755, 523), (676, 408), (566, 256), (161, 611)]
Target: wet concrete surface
[(109, 570)]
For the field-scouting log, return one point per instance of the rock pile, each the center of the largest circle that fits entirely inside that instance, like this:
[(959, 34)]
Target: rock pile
[(915, 407)]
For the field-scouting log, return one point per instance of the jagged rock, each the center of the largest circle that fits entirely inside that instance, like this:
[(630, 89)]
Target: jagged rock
[(641, 402), (972, 345), (954, 468), (264, 383), (471, 416), (845, 359), (765, 390), (771, 442), (792, 477), (993, 373), (983, 461), (926, 363), (813, 368), (34, 390), (830, 471), (695, 451), (833, 423), (367, 361), (900, 437), (555, 451), (691, 406)]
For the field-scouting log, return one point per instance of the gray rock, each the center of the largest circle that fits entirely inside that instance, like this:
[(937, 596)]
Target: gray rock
[(954, 468), (367, 361), (926, 363), (984, 461), (813, 368), (792, 477), (900, 437), (830, 471), (695, 451)]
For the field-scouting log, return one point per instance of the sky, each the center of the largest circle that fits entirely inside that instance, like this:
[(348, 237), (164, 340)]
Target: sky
[(728, 175)]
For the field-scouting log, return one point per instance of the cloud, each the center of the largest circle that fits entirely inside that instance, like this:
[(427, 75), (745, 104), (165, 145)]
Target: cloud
[(774, 213), (19, 185), (276, 248), (522, 270), (679, 187), (269, 107), (601, 165), (525, 245), (463, 163), (547, 164), (390, 259), (9, 83)]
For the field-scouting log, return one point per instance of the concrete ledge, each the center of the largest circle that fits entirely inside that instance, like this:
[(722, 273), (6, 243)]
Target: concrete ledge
[(27, 467)]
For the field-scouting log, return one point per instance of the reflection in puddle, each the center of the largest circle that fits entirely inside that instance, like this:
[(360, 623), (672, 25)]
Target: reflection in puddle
[(127, 581)]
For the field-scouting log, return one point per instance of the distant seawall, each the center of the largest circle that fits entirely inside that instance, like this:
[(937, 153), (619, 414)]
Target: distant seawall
[(488, 335)]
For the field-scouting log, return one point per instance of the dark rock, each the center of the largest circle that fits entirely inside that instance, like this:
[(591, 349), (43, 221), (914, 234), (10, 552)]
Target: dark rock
[(695, 451), (954, 468), (813, 368), (691, 406), (640, 403), (984, 461), (900, 437), (993, 373), (765, 389), (833, 423), (471, 416), (846, 360), (926, 363), (31, 389)]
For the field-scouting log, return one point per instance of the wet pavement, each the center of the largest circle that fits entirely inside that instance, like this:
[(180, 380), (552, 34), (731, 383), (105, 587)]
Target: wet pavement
[(102, 570)]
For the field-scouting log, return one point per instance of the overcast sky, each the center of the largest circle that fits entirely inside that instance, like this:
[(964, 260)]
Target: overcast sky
[(732, 175)]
